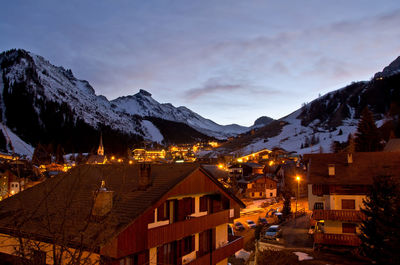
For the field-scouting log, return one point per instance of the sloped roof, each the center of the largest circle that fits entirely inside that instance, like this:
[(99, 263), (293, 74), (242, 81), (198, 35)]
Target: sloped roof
[(253, 165), (216, 171), (63, 204), (392, 146), (365, 166)]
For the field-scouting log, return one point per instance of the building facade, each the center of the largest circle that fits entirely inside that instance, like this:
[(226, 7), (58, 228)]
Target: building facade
[(141, 214), (337, 185)]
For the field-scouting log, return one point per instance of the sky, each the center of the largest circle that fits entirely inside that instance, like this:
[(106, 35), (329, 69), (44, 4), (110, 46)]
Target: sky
[(229, 61)]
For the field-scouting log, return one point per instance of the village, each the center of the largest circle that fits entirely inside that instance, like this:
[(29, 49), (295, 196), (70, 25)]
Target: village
[(225, 209)]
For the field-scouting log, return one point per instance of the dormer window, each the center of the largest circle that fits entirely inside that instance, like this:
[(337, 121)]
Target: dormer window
[(331, 169)]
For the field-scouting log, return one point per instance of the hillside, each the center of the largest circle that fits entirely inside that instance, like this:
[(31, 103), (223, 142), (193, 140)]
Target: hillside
[(332, 117)]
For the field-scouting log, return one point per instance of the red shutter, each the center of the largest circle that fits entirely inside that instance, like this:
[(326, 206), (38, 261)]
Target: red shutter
[(348, 204)]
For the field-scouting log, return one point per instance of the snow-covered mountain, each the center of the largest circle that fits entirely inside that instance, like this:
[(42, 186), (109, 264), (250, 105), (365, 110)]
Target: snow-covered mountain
[(40, 102), (144, 105), (331, 117)]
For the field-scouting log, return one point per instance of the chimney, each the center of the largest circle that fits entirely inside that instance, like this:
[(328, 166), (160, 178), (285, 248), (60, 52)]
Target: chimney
[(349, 158), (331, 169), (144, 176), (103, 201)]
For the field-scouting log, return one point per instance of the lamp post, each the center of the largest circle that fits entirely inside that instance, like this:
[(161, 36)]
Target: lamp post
[(298, 193)]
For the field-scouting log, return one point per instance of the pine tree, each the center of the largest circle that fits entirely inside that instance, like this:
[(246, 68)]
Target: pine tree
[(60, 155), (380, 230), (367, 136), (3, 142)]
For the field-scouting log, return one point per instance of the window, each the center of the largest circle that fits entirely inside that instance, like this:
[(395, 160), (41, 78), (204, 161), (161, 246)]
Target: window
[(261, 194), (203, 204), (270, 194), (348, 204), (188, 245), (163, 212), (318, 206), (270, 186), (252, 194), (348, 228)]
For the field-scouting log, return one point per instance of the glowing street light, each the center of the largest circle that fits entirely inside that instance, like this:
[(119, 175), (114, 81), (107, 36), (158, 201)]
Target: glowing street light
[(297, 197)]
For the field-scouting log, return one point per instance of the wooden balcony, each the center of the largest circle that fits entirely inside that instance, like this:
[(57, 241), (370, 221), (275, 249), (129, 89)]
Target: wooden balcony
[(337, 239), (339, 215), (168, 233), (235, 244)]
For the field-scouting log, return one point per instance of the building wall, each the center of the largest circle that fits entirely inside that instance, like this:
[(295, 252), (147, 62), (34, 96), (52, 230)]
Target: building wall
[(312, 199), (221, 235), (336, 201), (335, 227), (10, 245)]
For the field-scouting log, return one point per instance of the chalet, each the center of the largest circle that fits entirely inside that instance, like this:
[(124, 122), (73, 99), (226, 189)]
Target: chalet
[(252, 169), (337, 185), (123, 214), (261, 187), (255, 156)]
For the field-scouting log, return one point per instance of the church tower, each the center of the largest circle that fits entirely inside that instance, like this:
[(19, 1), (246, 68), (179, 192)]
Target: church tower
[(100, 150)]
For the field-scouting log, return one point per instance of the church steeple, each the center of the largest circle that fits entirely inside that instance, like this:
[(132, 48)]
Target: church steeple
[(100, 150)]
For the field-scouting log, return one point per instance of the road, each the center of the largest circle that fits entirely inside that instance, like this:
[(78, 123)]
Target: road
[(248, 233)]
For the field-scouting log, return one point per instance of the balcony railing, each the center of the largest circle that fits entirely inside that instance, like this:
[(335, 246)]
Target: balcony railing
[(235, 244), (337, 239), (168, 233), (339, 215)]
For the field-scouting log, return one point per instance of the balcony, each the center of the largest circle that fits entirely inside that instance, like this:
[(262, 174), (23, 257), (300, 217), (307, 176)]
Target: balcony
[(339, 215), (337, 239), (168, 233), (235, 244)]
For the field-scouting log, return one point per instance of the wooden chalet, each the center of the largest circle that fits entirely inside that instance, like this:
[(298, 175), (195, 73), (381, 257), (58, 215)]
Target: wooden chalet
[(123, 214), (337, 185), (261, 187)]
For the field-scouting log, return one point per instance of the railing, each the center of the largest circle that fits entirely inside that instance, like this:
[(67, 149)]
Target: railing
[(340, 215), (336, 239), (168, 233), (235, 244)]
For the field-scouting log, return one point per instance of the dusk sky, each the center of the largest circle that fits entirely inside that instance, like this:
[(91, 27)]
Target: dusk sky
[(229, 61)]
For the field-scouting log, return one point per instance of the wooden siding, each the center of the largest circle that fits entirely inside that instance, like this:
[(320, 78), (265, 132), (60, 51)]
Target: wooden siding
[(337, 239), (235, 244), (168, 233), (135, 237), (338, 215)]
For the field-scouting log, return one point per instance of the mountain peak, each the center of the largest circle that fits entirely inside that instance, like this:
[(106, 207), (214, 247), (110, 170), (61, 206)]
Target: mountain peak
[(262, 121), (144, 93), (391, 69)]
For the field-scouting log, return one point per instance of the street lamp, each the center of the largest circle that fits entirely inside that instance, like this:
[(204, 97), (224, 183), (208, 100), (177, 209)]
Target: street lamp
[(298, 192)]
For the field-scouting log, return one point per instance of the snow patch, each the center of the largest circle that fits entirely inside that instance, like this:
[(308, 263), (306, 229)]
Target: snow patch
[(20, 147), (303, 256), (152, 131)]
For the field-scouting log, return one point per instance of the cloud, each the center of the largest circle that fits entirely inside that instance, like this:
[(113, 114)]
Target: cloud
[(218, 84)]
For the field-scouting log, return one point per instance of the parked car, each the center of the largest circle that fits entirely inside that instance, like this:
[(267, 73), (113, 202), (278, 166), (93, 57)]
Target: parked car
[(262, 221), (273, 232), (279, 216), (239, 226), (270, 212), (230, 230), (251, 224)]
